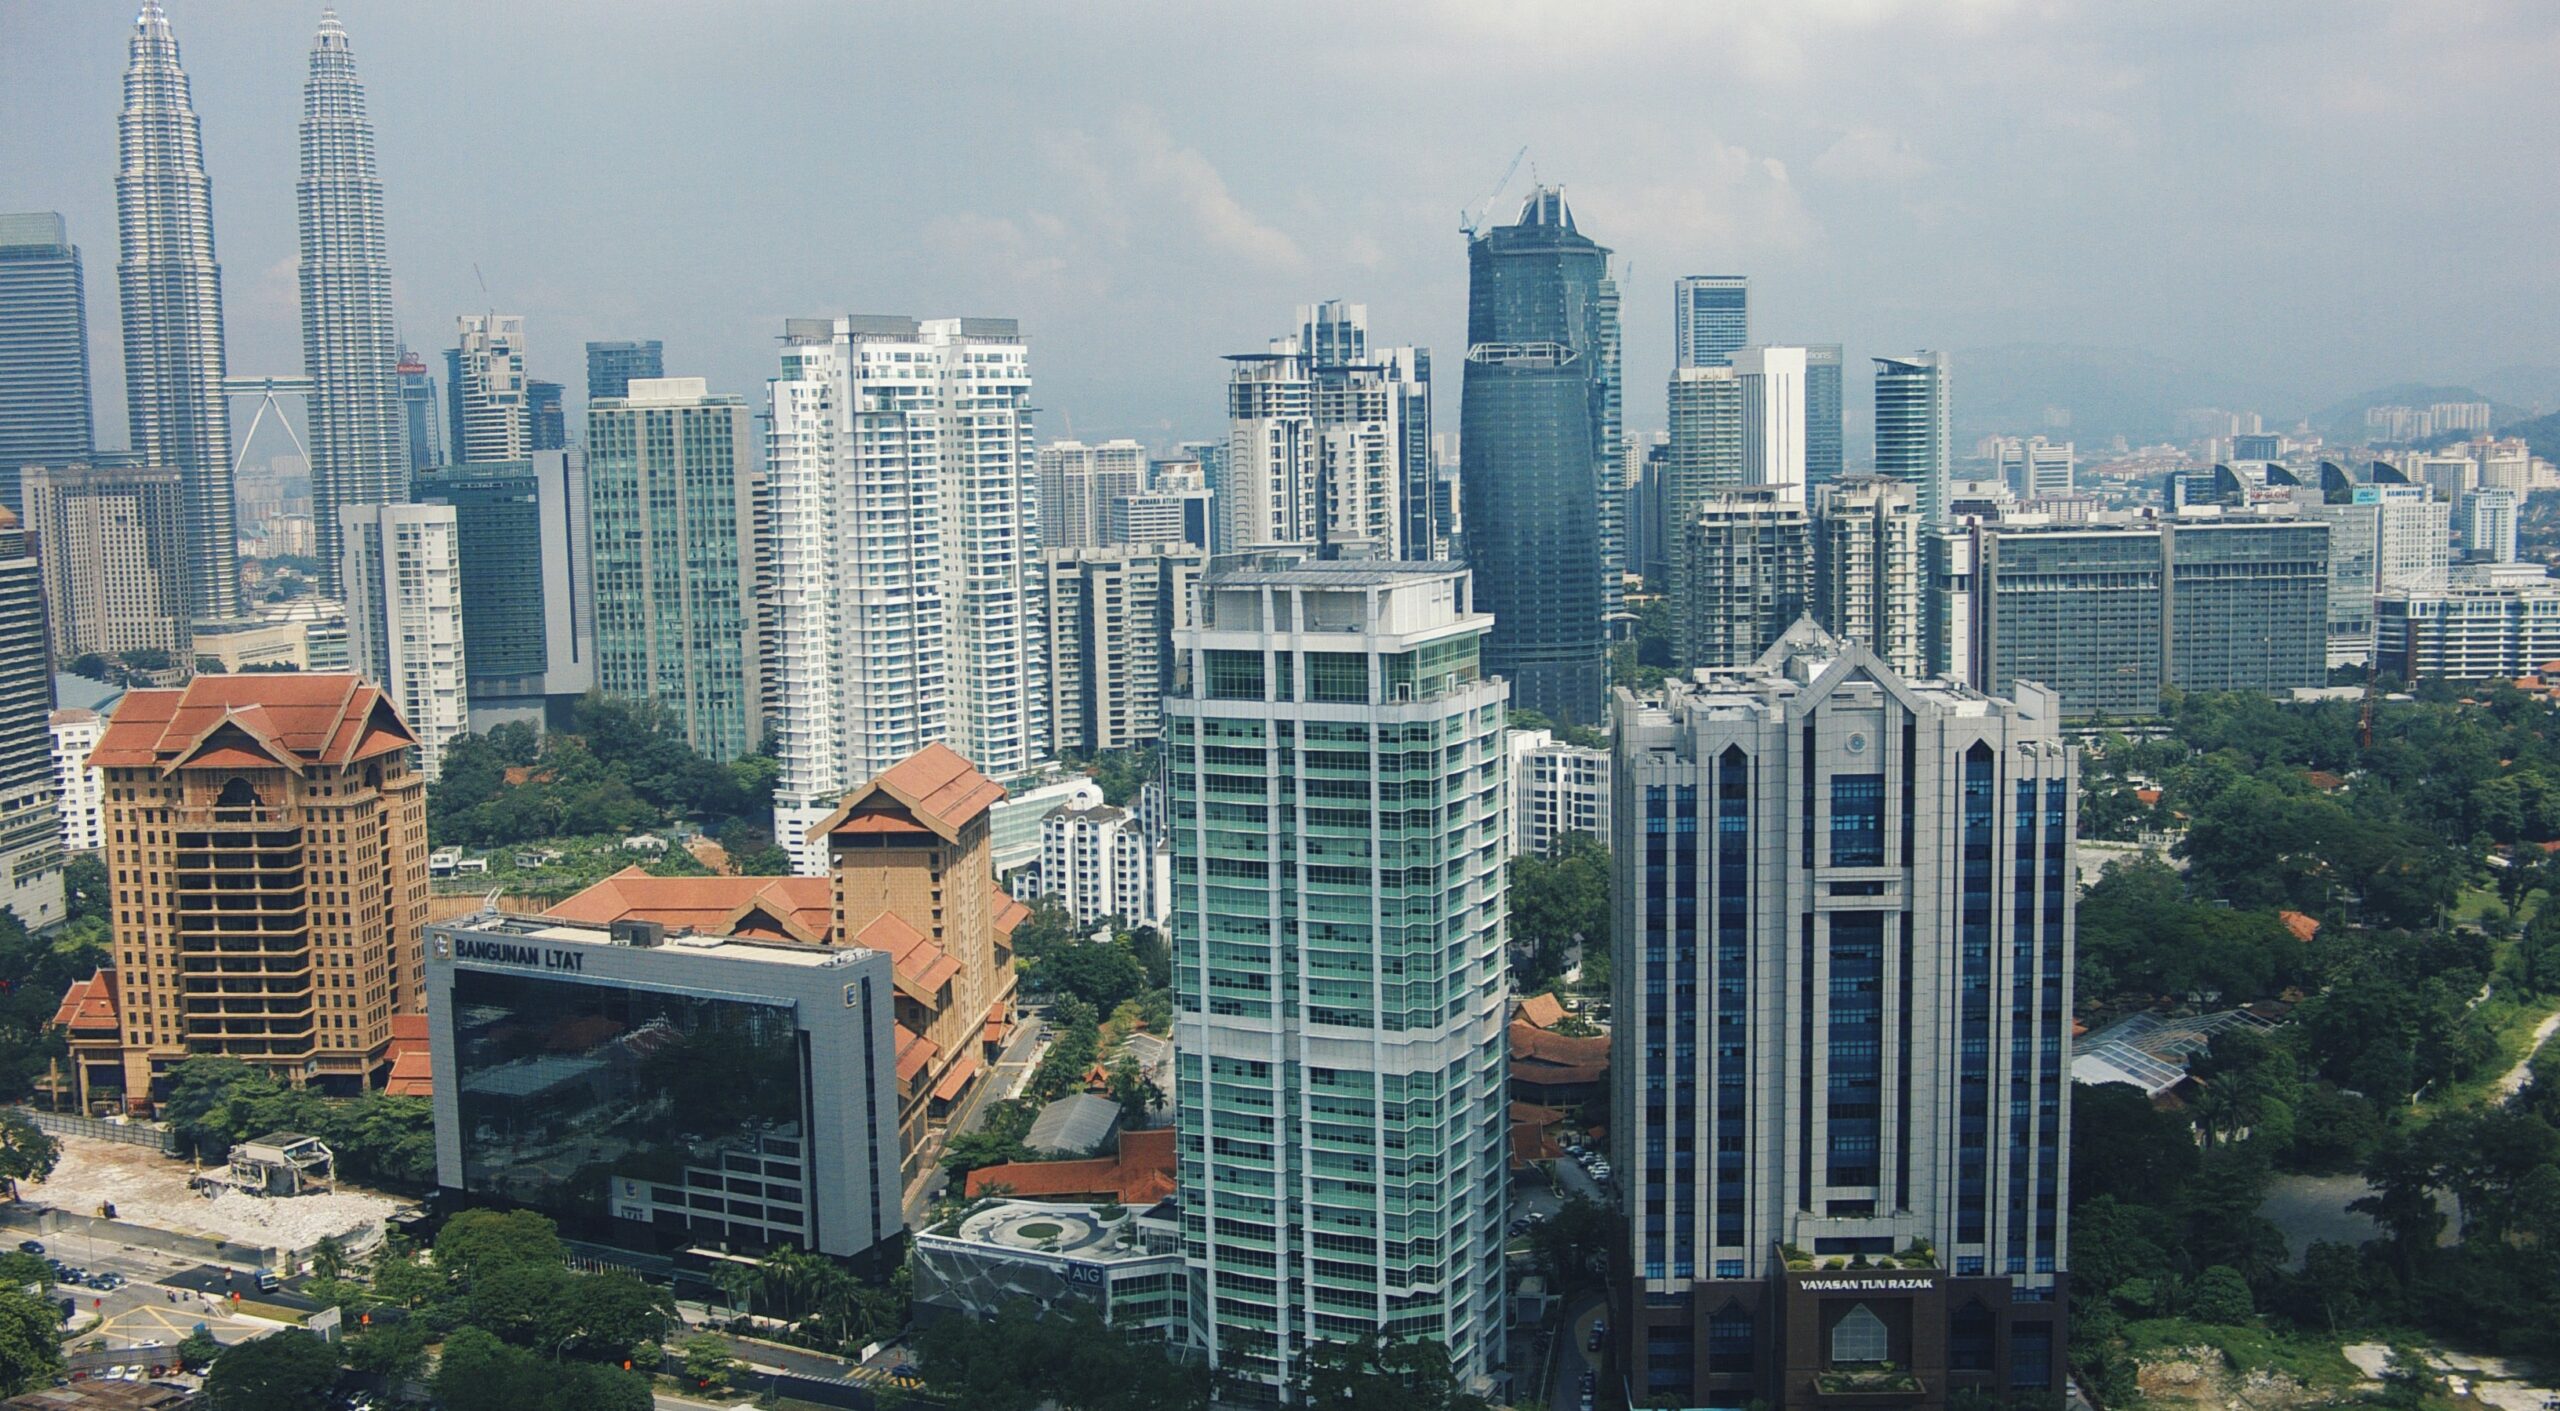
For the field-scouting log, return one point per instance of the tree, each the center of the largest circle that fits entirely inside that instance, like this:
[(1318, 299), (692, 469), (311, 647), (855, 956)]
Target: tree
[(1136, 1093), (85, 888), (1101, 973), (1572, 1249), (289, 1370), (1556, 901), (478, 1240), (1068, 1358), (2220, 1295), (27, 1151), (1372, 1371), (609, 1315), (197, 1350), (30, 1347), (707, 1361)]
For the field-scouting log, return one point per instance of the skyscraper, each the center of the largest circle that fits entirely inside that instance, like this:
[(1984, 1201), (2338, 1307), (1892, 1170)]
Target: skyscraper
[(44, 349), (1745, 575), (671, 493), (170, 289), (1915, 429), (546, 422), (900, 590), (420, 418), (1078, 486), (1321, 435), (528, 596), (1823, 405), (1702, 455), (486, 386), (612, 367), (1340, 1078), (1773, 418), (1869, 573), (1538, 420), (30, 829), (114, 542), (1710, 317), (1113, 614), (1844, 1022), (348, 351), (403, 576)]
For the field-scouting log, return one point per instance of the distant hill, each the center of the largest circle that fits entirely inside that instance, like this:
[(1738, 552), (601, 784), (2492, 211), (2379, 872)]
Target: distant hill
[(2086, 394), (2542, 433), (2345, 420)]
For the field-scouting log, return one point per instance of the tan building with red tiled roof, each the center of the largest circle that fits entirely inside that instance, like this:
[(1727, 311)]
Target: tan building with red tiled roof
[(911, 879), (266, 846)]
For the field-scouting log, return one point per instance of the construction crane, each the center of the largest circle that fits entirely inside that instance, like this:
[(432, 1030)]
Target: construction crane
[(1472, 218)]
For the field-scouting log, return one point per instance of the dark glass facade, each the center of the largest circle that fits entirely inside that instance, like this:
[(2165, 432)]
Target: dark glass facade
[(1537, 421), (637, 1117), (611, 366), (542, 408), (1822, 410), (498, 512)]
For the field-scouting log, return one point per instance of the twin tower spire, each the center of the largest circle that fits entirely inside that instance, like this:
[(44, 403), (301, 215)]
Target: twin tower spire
[(170, 284)]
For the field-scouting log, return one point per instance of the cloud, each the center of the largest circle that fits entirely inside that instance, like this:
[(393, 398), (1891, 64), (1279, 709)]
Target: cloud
[(1727, 204), (1000, 244), (1872, 155), (1193, 184)]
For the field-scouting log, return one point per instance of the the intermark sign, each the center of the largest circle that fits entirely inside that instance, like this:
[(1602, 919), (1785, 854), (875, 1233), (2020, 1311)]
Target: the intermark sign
[(512, 953)]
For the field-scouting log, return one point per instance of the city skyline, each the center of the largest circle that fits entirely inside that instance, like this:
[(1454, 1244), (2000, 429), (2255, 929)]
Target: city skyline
[(1887, 223)]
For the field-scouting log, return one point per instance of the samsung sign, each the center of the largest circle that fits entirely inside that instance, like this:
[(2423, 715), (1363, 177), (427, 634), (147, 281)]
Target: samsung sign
[(514, 953)]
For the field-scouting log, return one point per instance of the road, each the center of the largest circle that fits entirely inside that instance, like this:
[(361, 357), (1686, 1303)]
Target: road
[(1013, 1069), (1573, 1356), (2517, 1076)]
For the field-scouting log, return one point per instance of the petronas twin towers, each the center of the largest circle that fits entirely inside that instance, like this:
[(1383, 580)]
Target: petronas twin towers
[(171, 287)]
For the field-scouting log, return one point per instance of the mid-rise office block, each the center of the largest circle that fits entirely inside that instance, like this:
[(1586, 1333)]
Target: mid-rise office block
[(1078, 486), (1772, 384), (528, 595), (612, 367), (2485, 628), (1915, 429), (900, 586), (44, 350), (404, 617), (267, 838), (1710, 318), (1168, 514), (80, 791), (1844, 1022), (1541, 421), (488, 391), (1340, 830), (1556, 790), (170, 287), (1870, 570), (671, 500), (2033, 467), (1098, 863), (1745, 574), (114, 547), (668, 1092), (2488, 525), (1113, 614), (1824, 406), (30, 830)]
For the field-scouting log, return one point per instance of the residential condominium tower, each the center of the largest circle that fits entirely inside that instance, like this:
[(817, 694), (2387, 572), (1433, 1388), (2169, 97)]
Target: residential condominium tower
[(403, 577), (1079, 484), (171, 294), (1113, 614), (900, 587), (44, 349), (1869, 571), (1745, 575), (1324, 435), (1843, 1008), (358, 455), (1540, 422), (31, 882), (1340, 824), (114, 541), (671, 504), (486, 390)]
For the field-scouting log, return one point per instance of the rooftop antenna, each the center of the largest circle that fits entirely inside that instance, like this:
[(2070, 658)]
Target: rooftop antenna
[(1471, 219)]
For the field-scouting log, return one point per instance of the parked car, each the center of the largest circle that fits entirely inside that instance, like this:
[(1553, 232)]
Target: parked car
[(31, 1246), (1599, 1335)]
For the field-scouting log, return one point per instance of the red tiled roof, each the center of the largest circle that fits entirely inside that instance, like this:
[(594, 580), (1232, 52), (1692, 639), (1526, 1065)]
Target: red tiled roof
[(1141, 1174), (915, 1053), (89, 1006), (2148, 798), (1011, 911), (1545, 1011), (758, 908), (1533, 1134), (2303, 927), (919, 967), (412, 1075), (958, 1078), (1551, 1059), (263, 719), (933, 789)]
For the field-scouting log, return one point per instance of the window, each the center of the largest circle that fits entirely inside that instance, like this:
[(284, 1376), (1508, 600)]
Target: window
[(1857, 820), (1858, 1338), (1338, 677), (1235, 676)]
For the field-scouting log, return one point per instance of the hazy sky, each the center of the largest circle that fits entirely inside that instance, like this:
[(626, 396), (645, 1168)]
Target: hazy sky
[(2298, 199)]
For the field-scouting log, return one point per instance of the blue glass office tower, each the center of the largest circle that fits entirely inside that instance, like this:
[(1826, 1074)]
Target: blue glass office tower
[(1822, 407), (1711, 316), (1915, 429), (542, 410), (44, 349), (1537, 422)]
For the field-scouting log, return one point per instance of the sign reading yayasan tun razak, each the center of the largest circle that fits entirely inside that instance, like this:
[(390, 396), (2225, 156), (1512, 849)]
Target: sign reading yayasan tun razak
[(515, 953), (1867, 1285)]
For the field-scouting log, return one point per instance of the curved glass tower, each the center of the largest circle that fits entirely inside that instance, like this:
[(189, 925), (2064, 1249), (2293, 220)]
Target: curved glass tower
[(357, 452), (171, 290)]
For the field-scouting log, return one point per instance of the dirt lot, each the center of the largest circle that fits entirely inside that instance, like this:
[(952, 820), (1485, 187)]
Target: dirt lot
[(150, 1189)]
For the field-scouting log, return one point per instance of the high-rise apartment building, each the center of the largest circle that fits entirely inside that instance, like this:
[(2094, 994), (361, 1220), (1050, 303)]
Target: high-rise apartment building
[(1079, 484), (1843, 1031), (30, 832), (170, 288), (267, 838), (1098, 863), (421, 420), (901, 585), (113, 540), (358, 455), (1745, 575), (1113, 614), (403, 577), (1711, 318), (1704, 455), (528, 582), (2488, 523), (2033, 467), (44, 349), (1772, 384), (547, 423), (1541, 420), (79, 791), (613, 367), (1823, 408), (1179, 510), (1915, 429), (1339, 976), (2485, 625), (1870, 575), (671, 499), (1557, 790), (1322, 438), (487, 390)]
